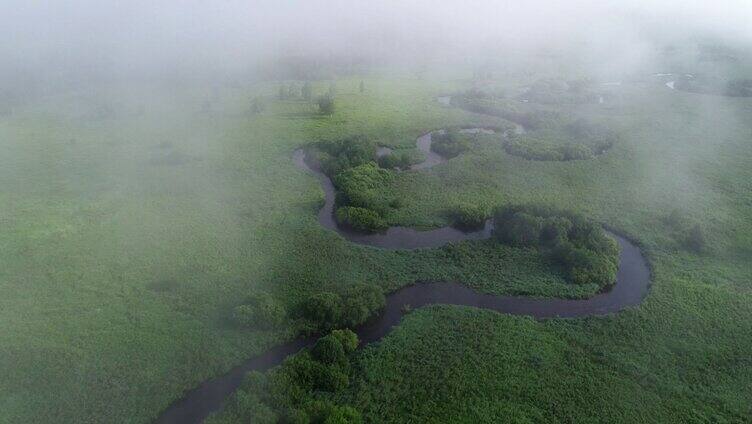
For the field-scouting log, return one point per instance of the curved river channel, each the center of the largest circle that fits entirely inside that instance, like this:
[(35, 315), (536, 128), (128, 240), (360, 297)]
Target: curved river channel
[(631, 287)]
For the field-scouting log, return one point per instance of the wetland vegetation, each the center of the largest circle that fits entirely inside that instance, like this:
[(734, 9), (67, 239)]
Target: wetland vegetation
[(433, 227)]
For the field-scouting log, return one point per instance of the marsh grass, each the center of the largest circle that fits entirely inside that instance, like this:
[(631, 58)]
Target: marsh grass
[(88, 228)]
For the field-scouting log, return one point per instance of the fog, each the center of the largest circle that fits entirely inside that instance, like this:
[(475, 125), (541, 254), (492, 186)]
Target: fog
[(81, 39)]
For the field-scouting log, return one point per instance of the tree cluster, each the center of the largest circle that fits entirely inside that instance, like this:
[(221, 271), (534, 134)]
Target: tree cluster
[(326, 104), (362, 187), (487, 104), (580, 247), (450, 143), (576, 140), (336, 156), (301, 390), (349, 308), (469, 216), (402, 159), (361, 200)]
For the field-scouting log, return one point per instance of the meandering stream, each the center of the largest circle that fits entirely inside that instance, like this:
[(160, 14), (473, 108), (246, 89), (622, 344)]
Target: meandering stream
[(631, 287)]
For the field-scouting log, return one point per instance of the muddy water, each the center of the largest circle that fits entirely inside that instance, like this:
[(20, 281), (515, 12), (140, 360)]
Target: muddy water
[(631, 287)]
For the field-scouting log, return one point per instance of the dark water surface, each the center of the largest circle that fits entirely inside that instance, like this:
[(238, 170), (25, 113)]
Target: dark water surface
[(631, 287)]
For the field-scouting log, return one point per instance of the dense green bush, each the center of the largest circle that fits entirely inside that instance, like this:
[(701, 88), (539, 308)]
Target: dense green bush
[(260, 310), (579, 246), (549, 136), (347, 338), (300, 390), (363, 187), (469, 217), (360, 219), (519, 229), (361, 302), (324, 309), (329, 350), (401, 159), (503, 108), (584, 266), (352, 307), (576, 140), (336, 156), (326, 104), (450, 143), (360, 182)]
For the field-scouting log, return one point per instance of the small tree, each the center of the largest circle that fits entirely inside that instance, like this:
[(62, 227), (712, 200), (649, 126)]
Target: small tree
[(469, 216), (324, 309), (361, 302), (347, 338), (329, 350), (307, 91), (326, 104), (360, 219)]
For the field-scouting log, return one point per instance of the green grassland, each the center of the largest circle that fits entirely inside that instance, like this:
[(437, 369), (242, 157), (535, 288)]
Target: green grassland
[(127, 239)]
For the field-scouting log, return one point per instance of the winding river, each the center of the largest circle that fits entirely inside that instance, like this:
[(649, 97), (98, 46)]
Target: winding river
[(631, 287)]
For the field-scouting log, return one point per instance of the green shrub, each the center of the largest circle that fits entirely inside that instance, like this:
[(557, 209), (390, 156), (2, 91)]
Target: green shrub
[(260, 311), (324, 309), (297, 391), (469, 217), (549, 137), (401, 159), (322, 411), (247, 407), (360, 219), (520, 229), (254, 382), (343, 415), (354, 306), (450, 143), (585, 266), (296, 416), (363, 187), (339, 155), (329, 350), (361, 302), (326, 104), (583, 250), (555, 229), (347, 339)]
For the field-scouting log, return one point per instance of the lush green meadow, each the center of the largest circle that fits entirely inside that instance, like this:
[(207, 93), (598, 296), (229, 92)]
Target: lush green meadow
[(129, 232)]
